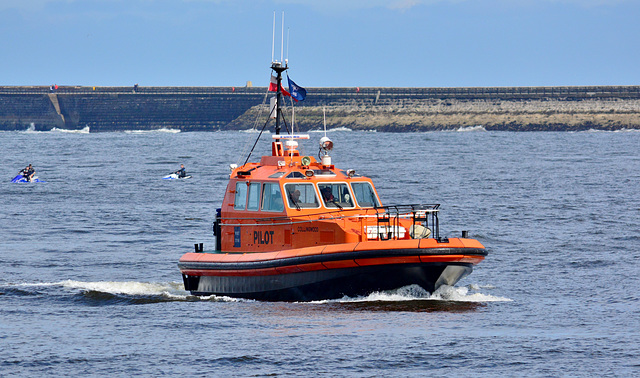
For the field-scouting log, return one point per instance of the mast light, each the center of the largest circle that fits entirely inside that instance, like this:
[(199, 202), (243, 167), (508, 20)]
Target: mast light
[(326, 144)]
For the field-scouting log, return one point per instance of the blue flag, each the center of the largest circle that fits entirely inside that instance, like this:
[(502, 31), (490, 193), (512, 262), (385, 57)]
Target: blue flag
[(297, 92)]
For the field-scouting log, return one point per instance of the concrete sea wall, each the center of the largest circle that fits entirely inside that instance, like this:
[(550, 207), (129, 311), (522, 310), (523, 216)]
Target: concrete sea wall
[(383, 109)]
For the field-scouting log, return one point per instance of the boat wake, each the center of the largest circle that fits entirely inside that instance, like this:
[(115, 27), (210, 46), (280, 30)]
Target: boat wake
[(416, 293), (171, 289), (105, 291), (132, 292)]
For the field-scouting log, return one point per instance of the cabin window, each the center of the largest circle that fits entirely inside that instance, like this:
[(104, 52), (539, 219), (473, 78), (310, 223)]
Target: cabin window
[(241, 196), (323, 172), (365, 195), (301, 196), (296, 174), (336, 195), (253, 202), (272, 197)]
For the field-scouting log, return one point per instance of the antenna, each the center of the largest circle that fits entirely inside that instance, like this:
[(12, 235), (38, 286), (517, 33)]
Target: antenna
[(324, 120), (273, 38), (287, 61), (279, 67), (282, 41), (293, 122)]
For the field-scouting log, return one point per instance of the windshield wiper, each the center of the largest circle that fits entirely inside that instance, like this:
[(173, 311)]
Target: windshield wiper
[(337, 204), (294, 202)]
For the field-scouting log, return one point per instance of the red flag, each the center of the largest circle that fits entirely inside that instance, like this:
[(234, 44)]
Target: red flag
[(274, 84)]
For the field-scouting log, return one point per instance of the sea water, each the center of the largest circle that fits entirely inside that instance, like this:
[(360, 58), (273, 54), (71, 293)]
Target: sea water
[(90, 284)]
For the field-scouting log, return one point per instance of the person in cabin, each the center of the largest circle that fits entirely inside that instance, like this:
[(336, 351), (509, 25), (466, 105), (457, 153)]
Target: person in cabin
[(326, 194), (28, 172), (181, 172), (295, 197)]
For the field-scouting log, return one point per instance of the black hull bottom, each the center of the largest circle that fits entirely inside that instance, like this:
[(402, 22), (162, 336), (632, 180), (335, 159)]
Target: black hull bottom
[(329, 284)]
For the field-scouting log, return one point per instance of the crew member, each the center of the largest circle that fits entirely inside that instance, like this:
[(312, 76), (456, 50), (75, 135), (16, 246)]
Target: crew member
[(326, 194), (294, 199)]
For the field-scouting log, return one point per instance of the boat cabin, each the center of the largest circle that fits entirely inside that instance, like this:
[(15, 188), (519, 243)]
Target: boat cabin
[(290, 201)]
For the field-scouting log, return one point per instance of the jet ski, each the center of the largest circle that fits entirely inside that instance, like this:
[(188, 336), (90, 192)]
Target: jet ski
[(174, 176), (21, 178)]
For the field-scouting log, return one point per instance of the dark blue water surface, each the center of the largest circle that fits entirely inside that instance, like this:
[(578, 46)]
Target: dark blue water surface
[(90, 286)]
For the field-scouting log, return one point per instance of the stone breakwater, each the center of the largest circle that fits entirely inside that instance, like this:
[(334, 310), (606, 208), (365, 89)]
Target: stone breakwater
[(381, 109), (451, 114)]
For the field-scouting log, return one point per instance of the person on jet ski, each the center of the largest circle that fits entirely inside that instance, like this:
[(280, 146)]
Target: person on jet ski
[(28, 172), (181, 172)]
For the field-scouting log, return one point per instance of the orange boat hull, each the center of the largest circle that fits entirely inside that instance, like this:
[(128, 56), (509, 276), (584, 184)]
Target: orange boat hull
[(333, 271)]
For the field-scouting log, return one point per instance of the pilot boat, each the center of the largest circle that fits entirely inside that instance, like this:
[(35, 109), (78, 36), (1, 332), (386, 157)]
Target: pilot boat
[(297, 228)]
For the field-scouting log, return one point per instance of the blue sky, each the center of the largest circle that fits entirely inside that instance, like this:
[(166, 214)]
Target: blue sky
[(332, 43)]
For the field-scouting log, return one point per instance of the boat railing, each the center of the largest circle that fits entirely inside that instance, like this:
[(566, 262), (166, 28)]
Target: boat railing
[(378, 223), (388, 225)]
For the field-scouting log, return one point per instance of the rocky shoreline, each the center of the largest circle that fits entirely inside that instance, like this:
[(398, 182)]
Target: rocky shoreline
[(453, 114)]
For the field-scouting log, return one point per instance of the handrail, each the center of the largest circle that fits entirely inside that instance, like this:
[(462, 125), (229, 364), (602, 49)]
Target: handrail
[(387, 222), (419, 214)]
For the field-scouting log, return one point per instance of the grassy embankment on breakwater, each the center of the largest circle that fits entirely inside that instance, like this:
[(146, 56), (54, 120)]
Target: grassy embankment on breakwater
[(583, 108), (503, 115)]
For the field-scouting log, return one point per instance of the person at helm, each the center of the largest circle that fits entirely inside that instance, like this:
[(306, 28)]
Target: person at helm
[(326, 194), (182, 172)]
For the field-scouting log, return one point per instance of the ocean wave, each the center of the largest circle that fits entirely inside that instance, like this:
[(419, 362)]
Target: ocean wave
[(623, 130), (84, 130), (254, 131), (32, 130), (330, 130), (627, 131), (161, 130), (471, 128)]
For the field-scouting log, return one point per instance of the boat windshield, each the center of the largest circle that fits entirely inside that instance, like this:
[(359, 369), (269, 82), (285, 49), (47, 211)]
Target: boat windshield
[(253, 202), (272, 197), (336, 195), (301, 196), (365, 196), (241, 196)]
